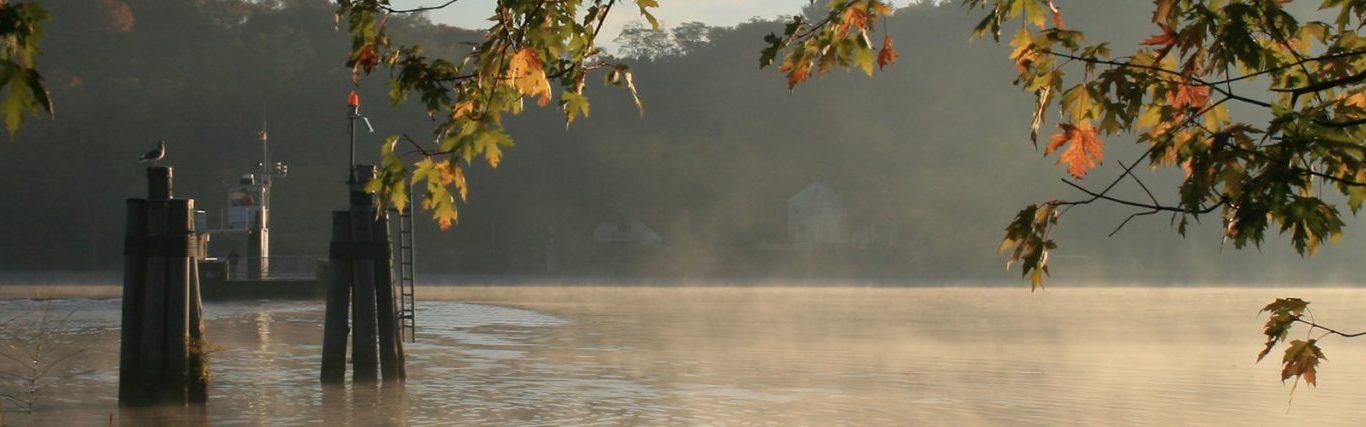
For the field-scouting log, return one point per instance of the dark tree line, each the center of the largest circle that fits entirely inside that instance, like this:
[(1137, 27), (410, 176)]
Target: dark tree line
[(932, 148)]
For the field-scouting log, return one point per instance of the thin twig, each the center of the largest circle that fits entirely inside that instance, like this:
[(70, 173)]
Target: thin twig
[(1328, 329), (389, 9)]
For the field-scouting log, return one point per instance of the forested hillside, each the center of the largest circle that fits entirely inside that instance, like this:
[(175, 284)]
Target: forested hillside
[(929, 148)]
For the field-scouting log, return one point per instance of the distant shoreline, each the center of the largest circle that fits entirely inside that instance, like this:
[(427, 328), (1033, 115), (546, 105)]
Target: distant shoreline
[(461, 290)]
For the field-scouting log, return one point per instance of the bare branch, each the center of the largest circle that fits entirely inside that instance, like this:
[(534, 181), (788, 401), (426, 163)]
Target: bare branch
[(390, 9), (1126, 221)]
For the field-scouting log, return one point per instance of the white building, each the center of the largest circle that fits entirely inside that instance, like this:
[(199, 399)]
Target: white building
[(816, 216)]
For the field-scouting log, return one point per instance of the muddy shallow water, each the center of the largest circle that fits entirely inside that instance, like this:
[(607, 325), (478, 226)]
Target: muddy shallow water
[(742, 356)]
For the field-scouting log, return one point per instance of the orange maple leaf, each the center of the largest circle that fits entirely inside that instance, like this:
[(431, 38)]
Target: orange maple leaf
[(1357, 100), (797, 72), (854, 18), (887, 55), (1167, 38), (1085, 152), (1189, 96)]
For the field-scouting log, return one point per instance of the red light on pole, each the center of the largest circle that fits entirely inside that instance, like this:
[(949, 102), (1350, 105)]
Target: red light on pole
[(353, 100)]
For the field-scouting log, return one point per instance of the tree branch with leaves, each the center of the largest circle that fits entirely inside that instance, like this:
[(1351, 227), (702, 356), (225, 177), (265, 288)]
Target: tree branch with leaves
[(544, 51), (24, 94), (1305, 135)]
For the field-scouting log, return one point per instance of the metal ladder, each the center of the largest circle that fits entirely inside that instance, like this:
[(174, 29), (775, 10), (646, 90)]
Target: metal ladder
[(405, 272)]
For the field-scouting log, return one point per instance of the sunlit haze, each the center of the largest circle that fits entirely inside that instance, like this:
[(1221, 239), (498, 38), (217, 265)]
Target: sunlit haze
[(771, 212)]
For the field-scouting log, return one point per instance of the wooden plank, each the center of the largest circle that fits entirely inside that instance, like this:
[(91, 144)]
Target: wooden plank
[(364, 343), (152, 349), (335, 322), (134, 270), (199, 363), (176, 370), (390, 356)]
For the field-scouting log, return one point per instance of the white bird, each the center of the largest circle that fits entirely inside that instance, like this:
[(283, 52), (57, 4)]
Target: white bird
[(154, 155)]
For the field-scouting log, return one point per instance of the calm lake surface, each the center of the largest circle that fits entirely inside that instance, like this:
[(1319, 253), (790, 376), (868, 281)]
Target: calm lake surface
[(761, 356)]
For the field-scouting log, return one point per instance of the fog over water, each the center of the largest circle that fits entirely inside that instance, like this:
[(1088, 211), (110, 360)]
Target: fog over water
[(740, 356)]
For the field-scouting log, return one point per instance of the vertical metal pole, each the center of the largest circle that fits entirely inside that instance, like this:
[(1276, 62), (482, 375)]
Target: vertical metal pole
[(352, 115), (266, 169)]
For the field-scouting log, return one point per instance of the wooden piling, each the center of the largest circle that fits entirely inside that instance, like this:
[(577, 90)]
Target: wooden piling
[(162, 316), (339, 277), (360, 280)]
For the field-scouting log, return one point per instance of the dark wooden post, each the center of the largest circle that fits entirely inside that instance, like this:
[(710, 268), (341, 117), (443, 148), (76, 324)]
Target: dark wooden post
[(160, 358), (134, 270), (178, 259), (390, 345), (199, 359), (364, 342), (335, 328), (159, 183), (154, 300)]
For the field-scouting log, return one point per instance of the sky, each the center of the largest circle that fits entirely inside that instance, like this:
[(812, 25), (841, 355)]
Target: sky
[(473, 13)]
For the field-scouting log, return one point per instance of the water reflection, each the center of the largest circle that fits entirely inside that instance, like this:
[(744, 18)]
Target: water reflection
[(263, 322)]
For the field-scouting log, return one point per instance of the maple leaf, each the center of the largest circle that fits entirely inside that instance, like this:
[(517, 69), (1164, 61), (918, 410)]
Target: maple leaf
[(887, 55), (1162, 13), (1167, 38), (797, 72), (1283, 313), (448, 174), (1024, 52), (1357, 100), (365, 57), (1302, 361), (463, 109), (1085, 151), (1189, 96), (528, 75), (854, 17)]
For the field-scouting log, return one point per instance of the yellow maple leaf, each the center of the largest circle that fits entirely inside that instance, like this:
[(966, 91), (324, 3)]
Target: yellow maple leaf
[(527, 73)]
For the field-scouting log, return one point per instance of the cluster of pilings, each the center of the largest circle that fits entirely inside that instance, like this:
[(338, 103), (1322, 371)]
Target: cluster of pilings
[(161, 353), (360, 281)]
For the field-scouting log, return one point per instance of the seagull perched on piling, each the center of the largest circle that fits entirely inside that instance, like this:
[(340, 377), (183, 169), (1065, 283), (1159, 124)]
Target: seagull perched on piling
[(154, 155)]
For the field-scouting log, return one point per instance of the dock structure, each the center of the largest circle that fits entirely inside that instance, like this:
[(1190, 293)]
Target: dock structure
[(161, 351), (361, 294)]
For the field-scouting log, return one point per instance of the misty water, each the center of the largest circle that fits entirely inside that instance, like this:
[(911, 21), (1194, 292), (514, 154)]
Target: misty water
[(743, 356)]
